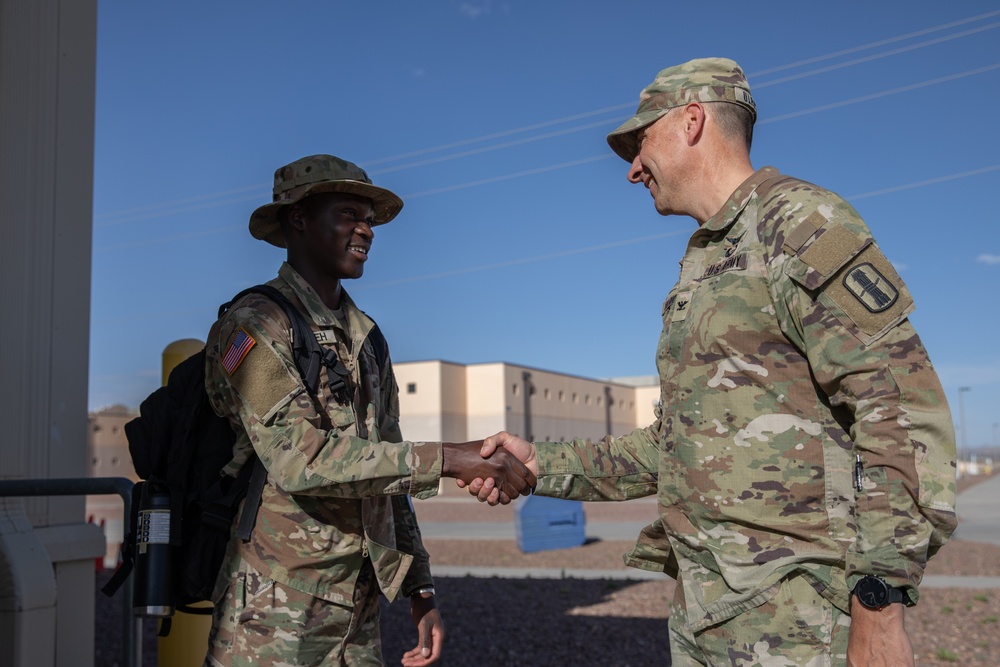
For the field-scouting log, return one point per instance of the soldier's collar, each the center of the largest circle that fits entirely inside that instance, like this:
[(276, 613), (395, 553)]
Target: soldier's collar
[(738, 200)]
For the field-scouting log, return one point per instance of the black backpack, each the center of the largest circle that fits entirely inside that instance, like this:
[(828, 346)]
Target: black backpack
[(179, 447)]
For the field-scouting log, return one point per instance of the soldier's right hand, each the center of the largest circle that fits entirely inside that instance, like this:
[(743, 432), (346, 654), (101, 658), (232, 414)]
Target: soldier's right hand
[(484, 489), (507, 475)]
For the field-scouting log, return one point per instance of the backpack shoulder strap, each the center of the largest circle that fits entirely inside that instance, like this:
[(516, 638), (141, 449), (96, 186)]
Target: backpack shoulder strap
[(306, 351), (308, 356), (379, 345)]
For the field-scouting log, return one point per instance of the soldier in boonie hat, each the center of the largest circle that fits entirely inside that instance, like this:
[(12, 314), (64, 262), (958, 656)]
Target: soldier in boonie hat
[(700, 80), (336, 463), (313, 175)]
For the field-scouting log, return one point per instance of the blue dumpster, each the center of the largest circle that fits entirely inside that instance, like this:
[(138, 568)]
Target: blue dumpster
[(543, 523)]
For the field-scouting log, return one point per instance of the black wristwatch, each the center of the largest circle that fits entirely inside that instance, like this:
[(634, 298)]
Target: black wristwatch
[(875, 593)]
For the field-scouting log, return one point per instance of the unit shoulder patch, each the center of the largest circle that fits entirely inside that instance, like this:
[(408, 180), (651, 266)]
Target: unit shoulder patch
[(871, 288), (870, 293)]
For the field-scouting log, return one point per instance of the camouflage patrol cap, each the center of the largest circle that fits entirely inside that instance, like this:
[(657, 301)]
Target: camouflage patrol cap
[(313, 175), (700, 80)]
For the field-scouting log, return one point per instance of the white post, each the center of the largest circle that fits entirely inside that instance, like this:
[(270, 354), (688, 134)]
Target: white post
[(47, 72)]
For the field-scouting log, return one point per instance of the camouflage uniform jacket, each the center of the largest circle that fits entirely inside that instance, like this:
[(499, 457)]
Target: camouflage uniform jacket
[(786, 353), (333, 495)]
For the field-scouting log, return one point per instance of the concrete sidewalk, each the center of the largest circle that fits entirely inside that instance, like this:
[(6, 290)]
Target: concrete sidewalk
[(978, 513), (632, 574)]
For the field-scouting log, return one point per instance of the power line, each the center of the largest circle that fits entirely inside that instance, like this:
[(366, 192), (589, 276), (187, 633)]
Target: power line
[(169, 239), (507, 177), (877, 56), (523, 260), (495, 147), (585, 250), (572, 163), (505, 133), (871, 45), (176, 202), (884, 93), (644, 239), (922, 184), (528, 128)]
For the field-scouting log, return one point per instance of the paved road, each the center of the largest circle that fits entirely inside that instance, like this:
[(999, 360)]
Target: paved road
[(978, 512)]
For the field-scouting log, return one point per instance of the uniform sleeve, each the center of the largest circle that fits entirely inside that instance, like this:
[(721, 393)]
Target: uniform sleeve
[(844, 305), (253, 379), (408, 537), (613, 469)]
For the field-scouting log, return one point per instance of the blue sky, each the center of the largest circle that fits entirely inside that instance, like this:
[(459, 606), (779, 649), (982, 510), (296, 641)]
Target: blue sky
[(521, 239)]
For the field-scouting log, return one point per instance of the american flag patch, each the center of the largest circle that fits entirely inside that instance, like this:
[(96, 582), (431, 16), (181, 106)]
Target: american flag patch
[(242, 342)]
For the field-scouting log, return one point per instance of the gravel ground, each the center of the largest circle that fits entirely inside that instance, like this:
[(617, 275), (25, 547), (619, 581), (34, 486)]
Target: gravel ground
[(617, 623), (492, 622)]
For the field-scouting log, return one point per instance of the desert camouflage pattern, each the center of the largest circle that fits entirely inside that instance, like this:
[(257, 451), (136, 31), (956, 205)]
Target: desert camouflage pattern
[(786, 353), (699, 80), (261, 623), (338, 473), (796, 627)]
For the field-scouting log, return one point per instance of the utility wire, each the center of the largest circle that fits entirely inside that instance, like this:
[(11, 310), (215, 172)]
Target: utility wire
[(884, 93), (539, 170), (872, 45), (581, 251), (100, 218)]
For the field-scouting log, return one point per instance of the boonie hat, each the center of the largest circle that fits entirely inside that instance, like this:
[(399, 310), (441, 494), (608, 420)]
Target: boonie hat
[(313, 175), (700, 80)]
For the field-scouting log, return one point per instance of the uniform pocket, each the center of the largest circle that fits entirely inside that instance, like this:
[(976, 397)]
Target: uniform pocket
[(254, 592), (391, 566)]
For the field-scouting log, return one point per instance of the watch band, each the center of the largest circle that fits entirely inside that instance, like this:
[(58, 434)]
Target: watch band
[(896, 595), (874, 593)]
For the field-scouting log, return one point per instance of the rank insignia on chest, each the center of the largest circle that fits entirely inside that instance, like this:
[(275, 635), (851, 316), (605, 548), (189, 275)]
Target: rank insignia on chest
[(871, 288), (681, 304), (238, 349), (732, 243)]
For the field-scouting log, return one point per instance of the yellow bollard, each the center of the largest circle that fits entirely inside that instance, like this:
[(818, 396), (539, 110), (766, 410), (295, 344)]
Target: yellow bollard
[(187, 642), (177, 352)]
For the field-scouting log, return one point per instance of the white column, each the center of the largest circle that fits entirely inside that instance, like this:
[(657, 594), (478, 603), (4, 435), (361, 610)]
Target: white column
[(47, 73)]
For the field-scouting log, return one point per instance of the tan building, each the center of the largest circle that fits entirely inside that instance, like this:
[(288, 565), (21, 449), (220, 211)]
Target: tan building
[(109, 457), (449, 402), (439, 401)]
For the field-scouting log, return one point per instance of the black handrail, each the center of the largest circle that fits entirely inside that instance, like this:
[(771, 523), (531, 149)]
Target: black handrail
[(90, 486)]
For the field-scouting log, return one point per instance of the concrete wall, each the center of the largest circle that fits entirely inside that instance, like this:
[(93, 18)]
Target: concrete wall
[(47, 66)]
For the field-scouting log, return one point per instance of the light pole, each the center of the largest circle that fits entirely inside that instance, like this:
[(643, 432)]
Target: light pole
[(996, 442), (961, 416)]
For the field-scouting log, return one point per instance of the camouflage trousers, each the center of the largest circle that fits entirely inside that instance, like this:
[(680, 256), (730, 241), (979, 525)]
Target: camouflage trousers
[(262, 623), (798, 627)]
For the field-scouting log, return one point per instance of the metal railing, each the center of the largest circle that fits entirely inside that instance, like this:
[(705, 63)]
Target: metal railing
[(91, 486)]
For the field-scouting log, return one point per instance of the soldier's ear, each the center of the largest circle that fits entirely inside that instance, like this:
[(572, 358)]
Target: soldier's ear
[(693, 119), (295, 217)]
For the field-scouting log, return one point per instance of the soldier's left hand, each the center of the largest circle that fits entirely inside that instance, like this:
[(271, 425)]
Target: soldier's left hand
[(430, 632)]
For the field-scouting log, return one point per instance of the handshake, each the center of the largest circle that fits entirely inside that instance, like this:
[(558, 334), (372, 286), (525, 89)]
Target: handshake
[(495, 470)]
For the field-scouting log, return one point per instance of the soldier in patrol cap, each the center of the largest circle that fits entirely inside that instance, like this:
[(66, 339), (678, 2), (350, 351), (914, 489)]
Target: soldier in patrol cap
[(803, 451), (335, 527)]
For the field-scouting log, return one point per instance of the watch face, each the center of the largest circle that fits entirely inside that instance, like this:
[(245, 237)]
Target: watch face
[(872, 592)]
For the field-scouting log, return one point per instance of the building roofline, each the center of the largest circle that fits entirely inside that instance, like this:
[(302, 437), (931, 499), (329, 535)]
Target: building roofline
[(623, 381)]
